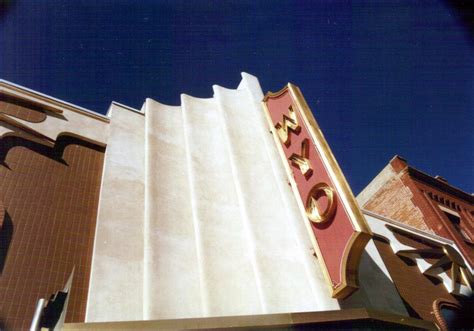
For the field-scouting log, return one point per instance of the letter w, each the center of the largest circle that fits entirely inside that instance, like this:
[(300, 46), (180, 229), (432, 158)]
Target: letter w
[(289, 122)]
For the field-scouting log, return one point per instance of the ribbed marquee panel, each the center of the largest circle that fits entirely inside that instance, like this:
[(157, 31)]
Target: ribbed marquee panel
[(220, 232)]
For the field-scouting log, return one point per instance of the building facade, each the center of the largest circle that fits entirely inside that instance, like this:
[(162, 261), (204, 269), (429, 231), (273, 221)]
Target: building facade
[(50, 177), (181, 215), (427, 203)]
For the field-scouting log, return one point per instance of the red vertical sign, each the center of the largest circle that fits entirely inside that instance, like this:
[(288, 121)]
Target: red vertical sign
[(334, 222)]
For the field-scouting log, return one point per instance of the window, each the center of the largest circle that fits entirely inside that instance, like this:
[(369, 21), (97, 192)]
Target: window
[(452, 316), (455, 220)]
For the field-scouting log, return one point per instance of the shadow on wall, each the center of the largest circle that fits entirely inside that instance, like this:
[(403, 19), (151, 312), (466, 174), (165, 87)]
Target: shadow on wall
[(376, 290), (6, 234), (55, 153)]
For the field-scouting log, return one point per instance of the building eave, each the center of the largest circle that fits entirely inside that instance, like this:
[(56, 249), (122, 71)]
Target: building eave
[(442, 185), (49, 102)]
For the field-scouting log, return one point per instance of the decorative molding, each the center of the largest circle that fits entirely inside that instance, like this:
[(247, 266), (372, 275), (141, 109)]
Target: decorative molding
[(20, 130), (450, 268), (46, 101)]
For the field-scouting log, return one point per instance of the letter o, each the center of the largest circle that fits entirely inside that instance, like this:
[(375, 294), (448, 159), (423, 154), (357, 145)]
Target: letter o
[(312, 210)]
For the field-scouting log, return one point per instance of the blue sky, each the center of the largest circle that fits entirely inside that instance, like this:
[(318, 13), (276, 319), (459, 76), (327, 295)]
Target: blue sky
[(394, 77)]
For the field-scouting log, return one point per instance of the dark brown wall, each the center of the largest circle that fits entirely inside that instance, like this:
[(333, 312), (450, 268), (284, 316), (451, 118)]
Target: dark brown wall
[(49, 196), (416, 289)]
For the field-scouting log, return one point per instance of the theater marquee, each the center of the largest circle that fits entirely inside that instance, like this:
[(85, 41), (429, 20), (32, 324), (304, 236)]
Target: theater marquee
[(336, 226)]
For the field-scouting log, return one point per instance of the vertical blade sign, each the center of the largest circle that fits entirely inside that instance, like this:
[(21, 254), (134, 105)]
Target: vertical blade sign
[(334, 221)]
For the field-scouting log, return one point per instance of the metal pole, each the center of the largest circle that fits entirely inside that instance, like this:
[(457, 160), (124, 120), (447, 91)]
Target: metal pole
[(35, 323)]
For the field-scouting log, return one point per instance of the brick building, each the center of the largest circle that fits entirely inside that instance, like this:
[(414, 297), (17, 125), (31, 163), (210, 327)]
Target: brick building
[(427, 203)]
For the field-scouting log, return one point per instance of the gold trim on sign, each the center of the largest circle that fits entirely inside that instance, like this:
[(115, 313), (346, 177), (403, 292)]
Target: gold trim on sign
[(298, 200), (329, 161), (274, 94), (355, 246)]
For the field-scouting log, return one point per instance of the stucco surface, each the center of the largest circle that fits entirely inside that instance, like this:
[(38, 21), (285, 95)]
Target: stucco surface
[(116, 283), (169, 221)]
